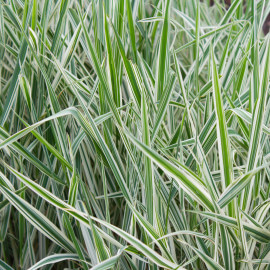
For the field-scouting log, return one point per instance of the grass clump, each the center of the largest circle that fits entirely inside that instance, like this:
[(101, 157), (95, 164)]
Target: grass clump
[(134, 135)]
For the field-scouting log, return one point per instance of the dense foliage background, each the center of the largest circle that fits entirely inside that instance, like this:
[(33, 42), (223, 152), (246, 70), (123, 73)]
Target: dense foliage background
[(134, 134)]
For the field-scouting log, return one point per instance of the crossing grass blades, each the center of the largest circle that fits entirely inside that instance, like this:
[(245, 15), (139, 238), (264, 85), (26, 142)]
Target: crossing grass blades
[(134, 135)]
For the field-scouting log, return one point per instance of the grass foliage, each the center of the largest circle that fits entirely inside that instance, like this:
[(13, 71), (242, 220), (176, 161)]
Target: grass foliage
[(134, 135)]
